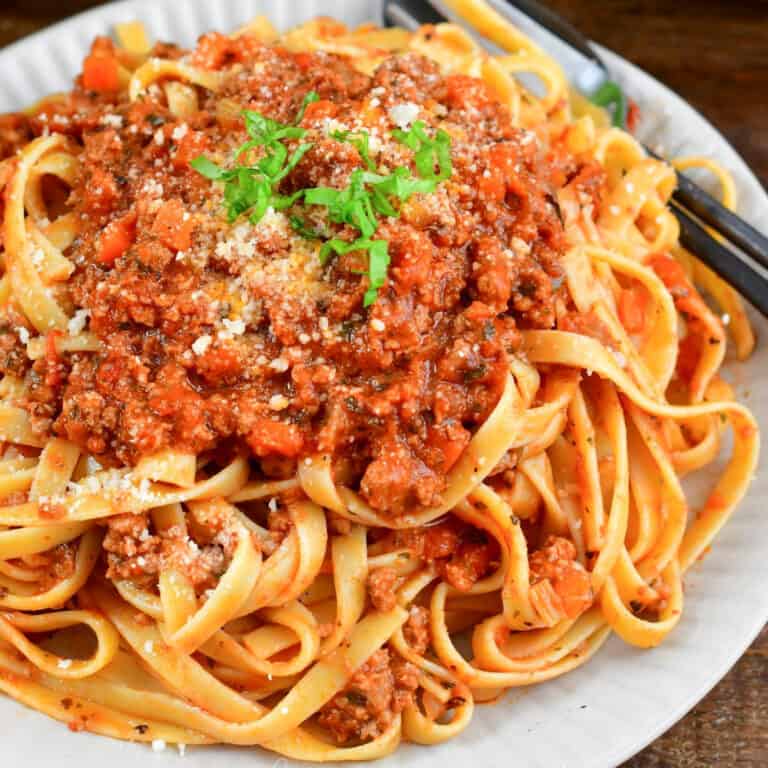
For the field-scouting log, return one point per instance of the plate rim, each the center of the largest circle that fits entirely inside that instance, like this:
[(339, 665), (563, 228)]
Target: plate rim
[(615, 60)]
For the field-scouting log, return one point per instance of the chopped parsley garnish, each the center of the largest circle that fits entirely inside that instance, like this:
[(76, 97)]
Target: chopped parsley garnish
[(252, 189), (428, 152), (360, 140)]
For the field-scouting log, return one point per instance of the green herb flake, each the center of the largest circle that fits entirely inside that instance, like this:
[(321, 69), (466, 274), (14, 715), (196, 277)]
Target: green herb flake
[(253, 189)]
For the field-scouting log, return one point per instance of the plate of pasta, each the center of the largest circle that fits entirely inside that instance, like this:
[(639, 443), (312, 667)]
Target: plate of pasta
[(358, 403)]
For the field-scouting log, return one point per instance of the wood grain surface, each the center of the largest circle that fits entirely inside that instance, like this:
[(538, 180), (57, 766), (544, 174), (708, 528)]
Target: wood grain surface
[(715, 54)]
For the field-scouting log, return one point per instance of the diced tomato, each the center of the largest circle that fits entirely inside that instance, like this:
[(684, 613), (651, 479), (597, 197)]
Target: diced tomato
[(173, 225), (303, 60), (463, 91), (317, 110), (269, 438), (215, 50), (632, 306), (633, 116), (116, 238), (101, 74)]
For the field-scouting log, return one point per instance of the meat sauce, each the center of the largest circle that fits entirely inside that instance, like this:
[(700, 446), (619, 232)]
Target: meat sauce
[(232, 337), (217, 335)]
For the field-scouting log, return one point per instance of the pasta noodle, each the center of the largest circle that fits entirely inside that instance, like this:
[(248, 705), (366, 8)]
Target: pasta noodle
[(439, 371)]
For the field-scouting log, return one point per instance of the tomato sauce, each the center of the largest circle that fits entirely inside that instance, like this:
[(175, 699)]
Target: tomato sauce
[(230, 336)]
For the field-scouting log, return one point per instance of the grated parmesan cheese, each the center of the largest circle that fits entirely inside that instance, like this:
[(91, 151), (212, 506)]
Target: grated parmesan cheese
[(201, 344), (279, 364), (77, 322), (179, 132), (38, 257), (113, 121), (232, 328), (279, 402), (402, 115)]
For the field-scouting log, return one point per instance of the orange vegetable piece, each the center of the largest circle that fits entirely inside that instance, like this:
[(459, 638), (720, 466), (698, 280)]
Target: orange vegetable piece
[(173, 225)]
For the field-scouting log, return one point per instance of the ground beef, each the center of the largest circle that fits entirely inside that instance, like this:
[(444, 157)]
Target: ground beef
[(462, 553), (366, 706), (416, 629), (556, 562), (222, 336), (137, 554), (381, 588), (55, 565)]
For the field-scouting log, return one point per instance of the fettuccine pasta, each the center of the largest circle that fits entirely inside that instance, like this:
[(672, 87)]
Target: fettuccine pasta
[(324, 351)]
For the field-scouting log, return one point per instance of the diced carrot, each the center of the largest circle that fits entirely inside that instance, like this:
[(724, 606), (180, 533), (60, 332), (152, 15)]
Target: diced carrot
[(632, 306), (463, 91), (451, 445), (101, 74), (54, 374), (493, 183), (193, 143), (116, 238), (269, 438), (173, 225)]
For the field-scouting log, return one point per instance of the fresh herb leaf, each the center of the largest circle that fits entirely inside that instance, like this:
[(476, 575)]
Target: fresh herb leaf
[(611, 97), (378, 264), (309, 98), (208, 168), (369, 194), (302, 227), (360, 140), (428, 152), (252, 189)]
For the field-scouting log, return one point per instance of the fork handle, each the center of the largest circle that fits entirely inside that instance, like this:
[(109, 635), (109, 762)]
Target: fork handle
[(742, 275)]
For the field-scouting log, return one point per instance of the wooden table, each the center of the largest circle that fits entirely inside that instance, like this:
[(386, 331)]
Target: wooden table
[(714, 55)]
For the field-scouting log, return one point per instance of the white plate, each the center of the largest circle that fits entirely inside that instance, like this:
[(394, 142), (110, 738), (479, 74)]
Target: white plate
[(623, 698)]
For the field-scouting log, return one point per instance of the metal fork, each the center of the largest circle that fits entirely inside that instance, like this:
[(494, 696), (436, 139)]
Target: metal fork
[(692, 205)]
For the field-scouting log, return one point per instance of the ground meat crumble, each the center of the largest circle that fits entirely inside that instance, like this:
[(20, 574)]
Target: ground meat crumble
[(378, 691), (220, 334)]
